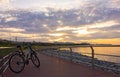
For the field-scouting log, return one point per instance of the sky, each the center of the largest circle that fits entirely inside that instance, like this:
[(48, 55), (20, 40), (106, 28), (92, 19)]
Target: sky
[(93, 21)]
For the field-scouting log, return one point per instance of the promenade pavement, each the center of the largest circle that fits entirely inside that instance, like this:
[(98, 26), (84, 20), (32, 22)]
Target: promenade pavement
[(54, 67)]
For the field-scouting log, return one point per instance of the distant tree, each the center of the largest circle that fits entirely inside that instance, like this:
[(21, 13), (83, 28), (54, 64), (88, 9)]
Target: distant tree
[(84, 43)]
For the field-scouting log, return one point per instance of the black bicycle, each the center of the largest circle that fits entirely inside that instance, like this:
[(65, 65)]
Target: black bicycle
[(19, 59)]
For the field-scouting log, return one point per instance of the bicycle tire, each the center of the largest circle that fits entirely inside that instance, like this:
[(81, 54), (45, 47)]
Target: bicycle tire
[(16, 58), (35, 58)]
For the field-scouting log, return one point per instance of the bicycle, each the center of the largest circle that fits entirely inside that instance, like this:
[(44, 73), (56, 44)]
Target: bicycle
[(18, 60)]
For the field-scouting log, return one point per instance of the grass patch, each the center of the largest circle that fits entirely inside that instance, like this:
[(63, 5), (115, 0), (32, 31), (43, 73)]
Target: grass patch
[(4, 52)]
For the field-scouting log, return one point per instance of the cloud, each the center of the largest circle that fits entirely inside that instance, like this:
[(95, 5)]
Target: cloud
[(67, 28), (41, 5), (11, 30), (114, 3), (49, 28), (6, 5), (56, 34), (10, 19), (87, 20), (103, 24), (4, 2), (108, 29), (83, 32)]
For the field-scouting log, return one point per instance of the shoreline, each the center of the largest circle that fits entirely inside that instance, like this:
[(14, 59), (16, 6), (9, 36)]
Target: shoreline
[(79, 58)]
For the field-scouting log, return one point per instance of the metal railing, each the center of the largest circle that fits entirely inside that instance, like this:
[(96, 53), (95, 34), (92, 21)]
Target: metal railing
[(91, 60), (4, 64), (4, 61)]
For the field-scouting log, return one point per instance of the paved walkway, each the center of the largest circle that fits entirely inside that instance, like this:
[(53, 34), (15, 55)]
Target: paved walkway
[(54, 67)]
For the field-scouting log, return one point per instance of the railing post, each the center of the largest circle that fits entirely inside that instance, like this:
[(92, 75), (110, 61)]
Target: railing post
[(59, 52), (52, 52), (93, 65), (71, 58)]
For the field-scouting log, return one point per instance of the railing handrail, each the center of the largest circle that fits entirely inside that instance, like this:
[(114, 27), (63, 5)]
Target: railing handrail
[(89, 46), (4, 64)]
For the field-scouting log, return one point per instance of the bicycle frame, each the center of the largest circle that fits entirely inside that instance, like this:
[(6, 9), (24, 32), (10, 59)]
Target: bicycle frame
[(27, 57)]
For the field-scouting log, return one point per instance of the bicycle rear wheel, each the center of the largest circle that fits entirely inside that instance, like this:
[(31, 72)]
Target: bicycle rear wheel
[(16, 63), (35, 60)]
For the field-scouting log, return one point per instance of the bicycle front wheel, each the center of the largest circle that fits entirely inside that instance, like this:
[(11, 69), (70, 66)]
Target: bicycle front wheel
[(16, 63), (35, 60)]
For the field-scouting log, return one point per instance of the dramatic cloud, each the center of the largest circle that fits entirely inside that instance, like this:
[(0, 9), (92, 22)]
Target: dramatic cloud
[(64, 20)]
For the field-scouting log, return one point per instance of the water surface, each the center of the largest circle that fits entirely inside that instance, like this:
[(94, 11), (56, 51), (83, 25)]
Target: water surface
[(101, 50)]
